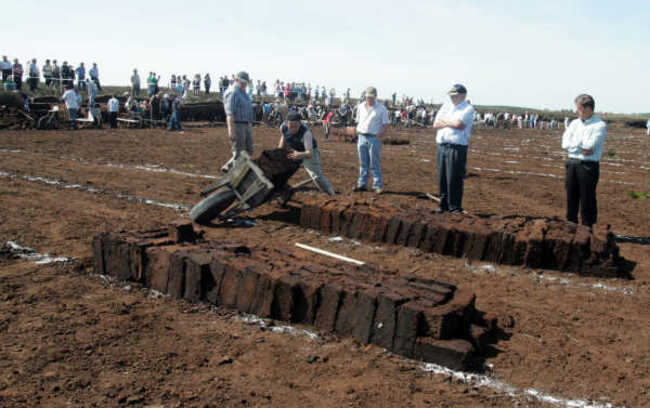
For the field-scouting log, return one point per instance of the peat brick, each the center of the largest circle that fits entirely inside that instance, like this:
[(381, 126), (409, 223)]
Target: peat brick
[(176, 277), (198, 279), (181, 230), (454, 354), (329, 300)]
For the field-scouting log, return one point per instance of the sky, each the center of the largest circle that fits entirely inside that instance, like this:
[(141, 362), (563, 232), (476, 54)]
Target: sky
[(537, 54)]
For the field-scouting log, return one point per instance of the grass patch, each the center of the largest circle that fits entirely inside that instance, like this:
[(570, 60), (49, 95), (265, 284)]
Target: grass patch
[(642, 195)]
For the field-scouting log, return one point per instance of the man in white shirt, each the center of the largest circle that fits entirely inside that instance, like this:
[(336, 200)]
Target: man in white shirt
[(372, 118), (454, 123), (72, 102), (647, 125), (583, 140), (113, 108)]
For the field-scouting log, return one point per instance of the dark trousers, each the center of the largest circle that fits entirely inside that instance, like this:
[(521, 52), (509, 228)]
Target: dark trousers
[(33, 84), (19, 82), (452, 161), (581, 180), (113, 118), (5, 74), (96, 81)]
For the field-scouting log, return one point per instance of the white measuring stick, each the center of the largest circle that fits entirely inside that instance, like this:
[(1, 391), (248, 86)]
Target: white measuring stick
[(331, 254)]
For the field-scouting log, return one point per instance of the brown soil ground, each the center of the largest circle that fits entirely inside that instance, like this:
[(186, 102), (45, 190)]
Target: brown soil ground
[(68, 338)]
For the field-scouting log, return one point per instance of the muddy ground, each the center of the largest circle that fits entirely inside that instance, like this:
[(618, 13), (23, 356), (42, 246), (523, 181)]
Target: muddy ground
[(70, 338)]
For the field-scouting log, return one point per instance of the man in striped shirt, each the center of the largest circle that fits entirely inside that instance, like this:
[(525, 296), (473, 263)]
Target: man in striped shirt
[(239, 118)]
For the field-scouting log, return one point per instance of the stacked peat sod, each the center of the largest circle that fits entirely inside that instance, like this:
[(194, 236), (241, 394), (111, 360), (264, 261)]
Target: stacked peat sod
[(422, 319), (535, 243)]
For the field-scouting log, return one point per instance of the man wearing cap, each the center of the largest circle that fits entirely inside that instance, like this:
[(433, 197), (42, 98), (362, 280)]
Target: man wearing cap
[(239, 118), (454, 123), (583, 140), (372, 118), (297, 137)]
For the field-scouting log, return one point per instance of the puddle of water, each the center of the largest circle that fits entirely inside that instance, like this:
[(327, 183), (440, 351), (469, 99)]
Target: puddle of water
[(252, 319), (484, 381), (30, 254)]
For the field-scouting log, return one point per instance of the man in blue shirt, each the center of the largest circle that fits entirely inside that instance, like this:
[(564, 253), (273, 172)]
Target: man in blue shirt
[(583, 140), (239, 118), (81, 77)]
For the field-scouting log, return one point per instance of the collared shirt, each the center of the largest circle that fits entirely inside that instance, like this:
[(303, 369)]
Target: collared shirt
[(450, 112), (238, 104), (113, 105), (135, 79), (71, 99), (371, 119), (94, 72), (47, 70), (92, 89), (587, 135), (81, 72), (33, 70), (4, 65)]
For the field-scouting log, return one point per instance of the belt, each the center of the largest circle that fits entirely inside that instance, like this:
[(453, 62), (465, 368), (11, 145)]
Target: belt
[(367, 134), (456, 145), (242, 122), (572, 160)]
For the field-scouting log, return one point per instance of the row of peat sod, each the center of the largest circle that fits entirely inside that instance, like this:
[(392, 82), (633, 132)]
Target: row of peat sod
[(418, 318), (531, 242)]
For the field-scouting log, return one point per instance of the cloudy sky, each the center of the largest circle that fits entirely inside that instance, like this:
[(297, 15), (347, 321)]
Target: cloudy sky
[(520, 53)]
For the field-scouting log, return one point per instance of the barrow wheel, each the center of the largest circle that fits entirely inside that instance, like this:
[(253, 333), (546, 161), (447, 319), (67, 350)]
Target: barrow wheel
[(42, 123), (211, 206)]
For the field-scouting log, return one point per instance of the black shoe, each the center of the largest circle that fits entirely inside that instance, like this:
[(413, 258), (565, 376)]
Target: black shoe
[(358, 189), (456, 211)]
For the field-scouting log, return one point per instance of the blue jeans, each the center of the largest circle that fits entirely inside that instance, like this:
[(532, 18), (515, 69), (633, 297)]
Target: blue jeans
[(73, 117), (369, 148), (174, 124)]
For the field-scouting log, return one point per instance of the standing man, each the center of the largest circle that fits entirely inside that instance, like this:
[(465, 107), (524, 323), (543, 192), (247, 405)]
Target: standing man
[(372, 118), (647, 125), (239, 118), (5, 66), (175, 118), (47, 73), (454, 123), (91, 86), (56, 74), (81, 77), (583, 140), (207, 82), (135, 84), (72, 102), (34, 75), (18, 74), (296, 136), (113, 108), (94, 75)]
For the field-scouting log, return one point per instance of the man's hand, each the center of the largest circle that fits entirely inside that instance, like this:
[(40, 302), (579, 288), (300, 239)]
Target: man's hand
[(294, 155)]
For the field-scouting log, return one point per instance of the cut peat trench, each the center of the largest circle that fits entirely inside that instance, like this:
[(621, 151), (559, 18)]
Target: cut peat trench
[(423, 319), (534, 243)]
